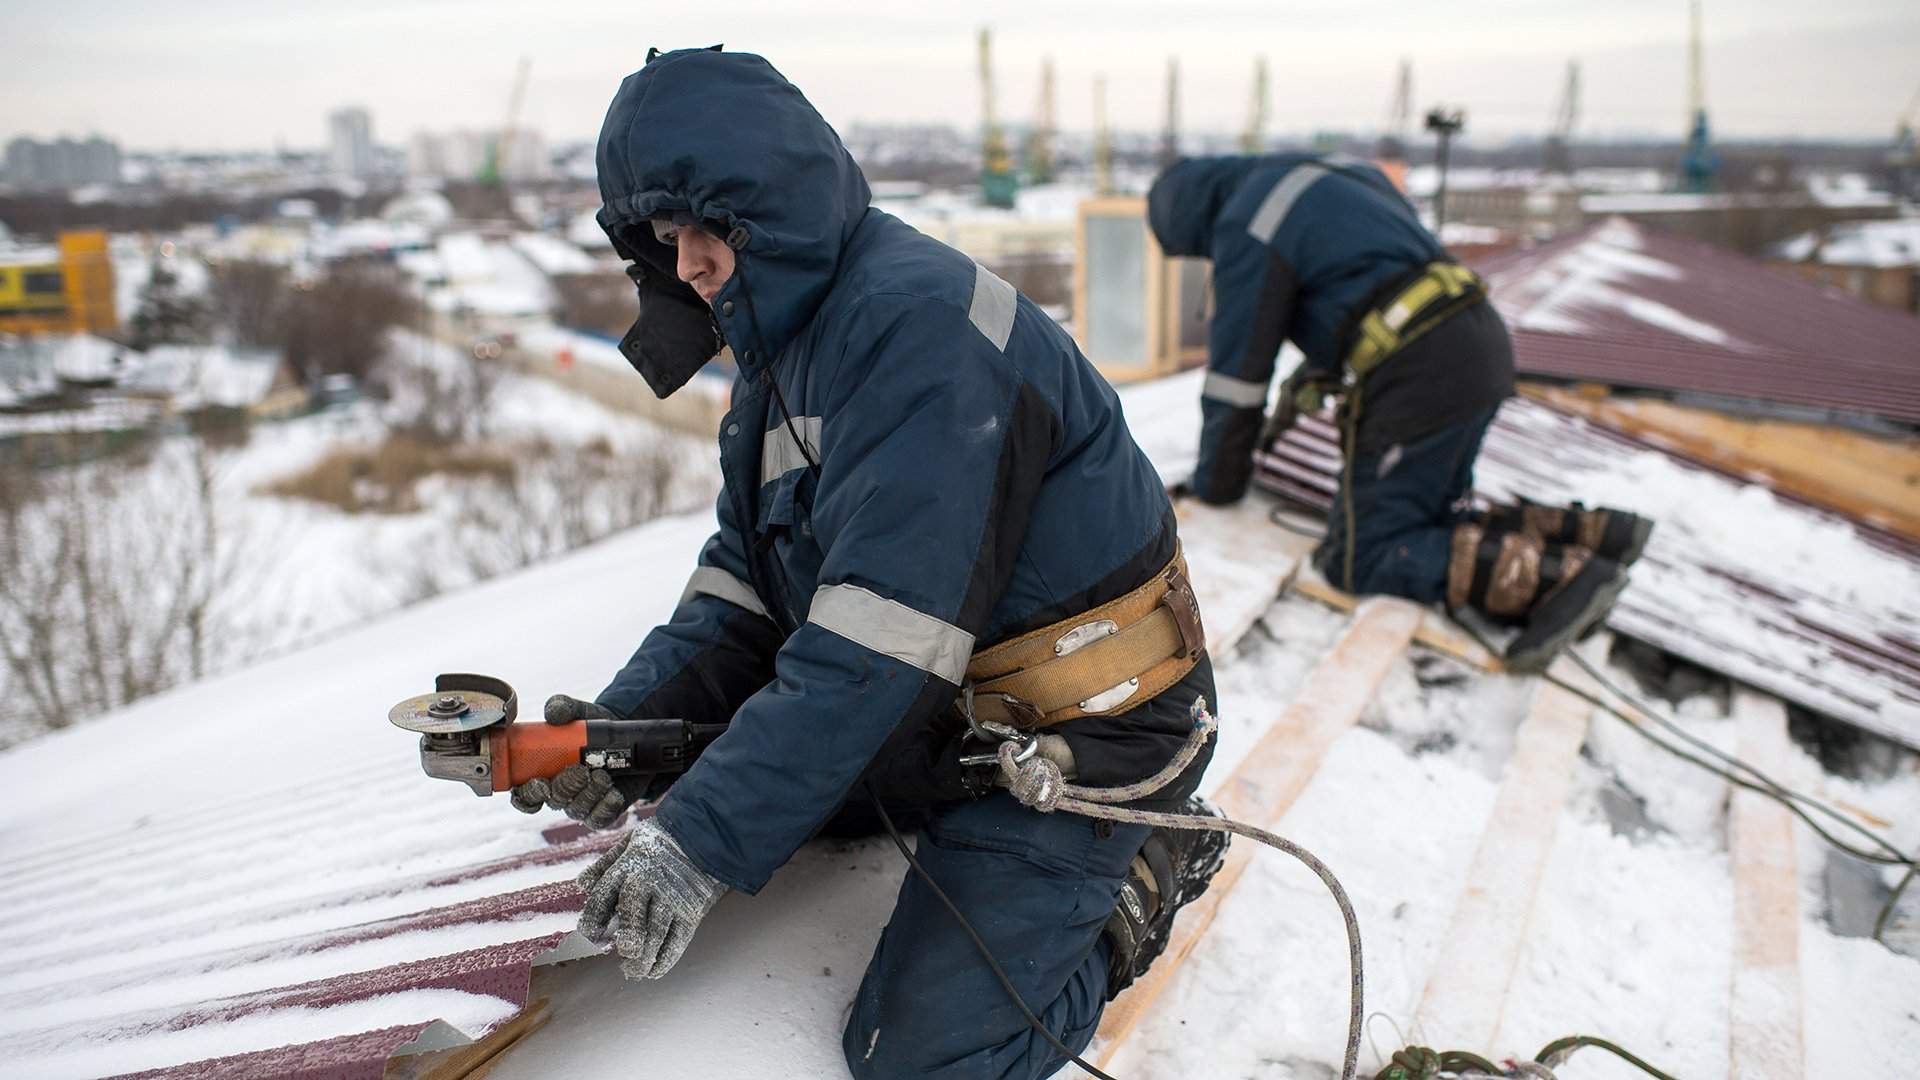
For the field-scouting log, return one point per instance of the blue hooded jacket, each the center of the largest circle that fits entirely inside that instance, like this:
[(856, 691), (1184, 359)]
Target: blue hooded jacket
[(1302, 247), (918, 463)]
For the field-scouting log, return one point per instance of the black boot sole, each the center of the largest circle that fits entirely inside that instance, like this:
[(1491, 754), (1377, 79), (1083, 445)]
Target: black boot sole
[(1528, 654)]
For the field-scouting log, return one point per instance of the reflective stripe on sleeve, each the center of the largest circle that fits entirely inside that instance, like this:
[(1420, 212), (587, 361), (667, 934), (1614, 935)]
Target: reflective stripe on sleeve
[(780, 455), (1227, 390), (715, 582), (1274, 208), (993, 306), (887, 626)]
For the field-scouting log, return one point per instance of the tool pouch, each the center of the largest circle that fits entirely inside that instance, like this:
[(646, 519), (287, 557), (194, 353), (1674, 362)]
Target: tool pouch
[(1098, 663)]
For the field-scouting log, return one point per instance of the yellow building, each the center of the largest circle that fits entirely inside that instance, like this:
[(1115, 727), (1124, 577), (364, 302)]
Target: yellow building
[(63, 291)]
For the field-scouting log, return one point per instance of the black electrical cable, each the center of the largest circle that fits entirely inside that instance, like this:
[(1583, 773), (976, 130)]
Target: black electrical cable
[(986, 954), (1796, 802)]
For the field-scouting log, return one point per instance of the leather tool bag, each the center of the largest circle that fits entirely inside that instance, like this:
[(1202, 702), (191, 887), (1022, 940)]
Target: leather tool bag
[(1100, 662)]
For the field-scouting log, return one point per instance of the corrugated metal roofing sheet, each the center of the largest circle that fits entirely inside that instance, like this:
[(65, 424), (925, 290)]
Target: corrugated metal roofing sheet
[(1856, 658), (1626, 305)]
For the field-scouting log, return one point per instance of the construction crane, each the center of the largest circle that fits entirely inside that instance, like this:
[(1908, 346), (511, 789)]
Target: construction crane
[(998, 185), (1254, 139), (1700, 163), (1393, 138), (1040, 169), (1170, 137), (1905, 155), (493, 169), (1102, 140), (1559, 150)]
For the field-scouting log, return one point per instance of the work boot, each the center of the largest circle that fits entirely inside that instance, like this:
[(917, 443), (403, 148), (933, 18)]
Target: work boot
[(1614, 534), (1172, 869), (1556, 592), (1566, 613)]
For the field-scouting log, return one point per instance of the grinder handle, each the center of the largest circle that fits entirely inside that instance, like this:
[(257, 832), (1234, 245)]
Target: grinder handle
[(534, 751)]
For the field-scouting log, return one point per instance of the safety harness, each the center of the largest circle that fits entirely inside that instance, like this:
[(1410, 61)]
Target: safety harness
[(1099, 662), (1439, 291)]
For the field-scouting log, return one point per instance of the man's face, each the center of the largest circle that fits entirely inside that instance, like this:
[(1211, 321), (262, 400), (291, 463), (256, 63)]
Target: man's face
[(702, 259)]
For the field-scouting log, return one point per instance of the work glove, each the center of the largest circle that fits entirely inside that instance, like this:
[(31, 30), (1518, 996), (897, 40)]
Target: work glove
[(1286, 414), (588, 796), (658, 894)]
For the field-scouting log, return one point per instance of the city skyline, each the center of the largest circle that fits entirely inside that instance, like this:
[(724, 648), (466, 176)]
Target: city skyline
[(214, 77)]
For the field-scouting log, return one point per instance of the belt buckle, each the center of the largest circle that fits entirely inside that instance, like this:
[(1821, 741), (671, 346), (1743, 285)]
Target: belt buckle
[(1185, 611)]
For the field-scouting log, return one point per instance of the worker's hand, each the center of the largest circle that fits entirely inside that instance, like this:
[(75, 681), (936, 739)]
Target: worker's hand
[(1286, 414), (658, 895), (588, 796)]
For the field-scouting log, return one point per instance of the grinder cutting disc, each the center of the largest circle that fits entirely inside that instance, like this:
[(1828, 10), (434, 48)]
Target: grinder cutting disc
[(449, 712)]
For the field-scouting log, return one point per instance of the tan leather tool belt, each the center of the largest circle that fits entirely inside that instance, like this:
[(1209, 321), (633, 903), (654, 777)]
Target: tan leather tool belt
[(1097, 663)]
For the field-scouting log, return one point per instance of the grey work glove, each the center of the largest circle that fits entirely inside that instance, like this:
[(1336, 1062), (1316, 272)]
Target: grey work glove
[(658, 894), (588, 796)]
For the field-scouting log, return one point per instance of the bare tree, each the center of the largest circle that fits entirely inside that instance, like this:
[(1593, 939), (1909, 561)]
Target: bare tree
[(340, 323), (248, 299), (119, 572)]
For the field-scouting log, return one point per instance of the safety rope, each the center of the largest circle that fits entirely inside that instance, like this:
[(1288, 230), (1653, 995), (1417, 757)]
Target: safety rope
[(1038, 782)]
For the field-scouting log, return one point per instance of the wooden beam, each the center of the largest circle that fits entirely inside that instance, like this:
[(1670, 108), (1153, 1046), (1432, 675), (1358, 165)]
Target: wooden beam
[(1239, 563), (1467, 990), (1764, 1031), (1270, 778), (1874, 478), (1436, 631)]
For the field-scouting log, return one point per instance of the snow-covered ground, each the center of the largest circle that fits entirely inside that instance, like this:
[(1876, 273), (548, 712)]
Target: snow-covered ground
[(303, 570)]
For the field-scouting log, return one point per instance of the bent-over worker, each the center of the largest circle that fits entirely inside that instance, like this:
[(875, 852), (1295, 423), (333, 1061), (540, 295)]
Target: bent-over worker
[(1325, 252)]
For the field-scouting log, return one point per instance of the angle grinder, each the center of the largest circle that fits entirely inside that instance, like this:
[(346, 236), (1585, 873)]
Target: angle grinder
[(467, 733)]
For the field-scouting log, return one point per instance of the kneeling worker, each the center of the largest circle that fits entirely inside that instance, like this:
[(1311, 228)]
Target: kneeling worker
[(1327, 253), (926, 486)]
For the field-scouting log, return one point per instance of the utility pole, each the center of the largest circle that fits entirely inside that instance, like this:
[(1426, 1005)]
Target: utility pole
[(1445, 123), (1254, 139), (1170, 138), (1102, 140)]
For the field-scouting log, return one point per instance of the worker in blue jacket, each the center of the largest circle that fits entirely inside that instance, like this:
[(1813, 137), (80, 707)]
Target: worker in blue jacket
[(926, 486), (1326, 253)]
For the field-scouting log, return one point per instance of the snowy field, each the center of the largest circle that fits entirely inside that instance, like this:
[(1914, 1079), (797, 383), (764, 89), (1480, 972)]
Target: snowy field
[(300, 570), (213, 841)]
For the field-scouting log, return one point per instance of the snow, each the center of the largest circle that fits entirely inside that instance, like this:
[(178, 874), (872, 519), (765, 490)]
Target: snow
[(1599, 274), (552, 254), (1857, 243), (268, 825), (470, 1013)]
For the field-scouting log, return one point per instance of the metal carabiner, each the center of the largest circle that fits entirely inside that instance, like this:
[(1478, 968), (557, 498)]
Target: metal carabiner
[(993, 732)]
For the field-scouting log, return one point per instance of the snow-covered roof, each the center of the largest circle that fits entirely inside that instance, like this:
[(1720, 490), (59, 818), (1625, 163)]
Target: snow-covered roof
[(1857, 243), (199, 375), (552, 254), (423, 207), (1629, 305), (1799, 601)]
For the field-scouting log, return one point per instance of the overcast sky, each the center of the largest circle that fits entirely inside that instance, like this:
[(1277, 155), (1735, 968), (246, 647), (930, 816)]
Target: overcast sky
[(226, 74)]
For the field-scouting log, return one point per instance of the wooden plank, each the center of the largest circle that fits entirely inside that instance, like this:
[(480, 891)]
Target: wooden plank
[(1270, 778), (474, 1060), (1436, 631), (1239, 562), (1764, 1032), (1873, 478), (1467, 991)]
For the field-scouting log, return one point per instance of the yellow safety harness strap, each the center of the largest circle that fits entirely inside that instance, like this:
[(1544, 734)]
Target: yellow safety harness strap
[(1438, 291)]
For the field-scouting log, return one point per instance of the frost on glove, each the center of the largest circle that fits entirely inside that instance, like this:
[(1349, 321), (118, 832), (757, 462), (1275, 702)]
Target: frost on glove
[(658, 895)]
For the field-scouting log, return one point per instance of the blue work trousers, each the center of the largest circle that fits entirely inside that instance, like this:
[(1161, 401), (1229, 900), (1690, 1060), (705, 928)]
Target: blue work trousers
[(1038, 888), (1407, 498)]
